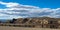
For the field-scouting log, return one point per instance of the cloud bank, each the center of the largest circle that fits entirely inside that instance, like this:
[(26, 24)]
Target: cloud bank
[(16, 10)]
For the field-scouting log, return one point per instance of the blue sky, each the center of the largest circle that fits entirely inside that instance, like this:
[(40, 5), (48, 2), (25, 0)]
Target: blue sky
[(39, 3), (29, 8)]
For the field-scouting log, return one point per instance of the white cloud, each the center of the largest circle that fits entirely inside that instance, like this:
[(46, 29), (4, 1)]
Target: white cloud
[(9, 4), (16, 10)]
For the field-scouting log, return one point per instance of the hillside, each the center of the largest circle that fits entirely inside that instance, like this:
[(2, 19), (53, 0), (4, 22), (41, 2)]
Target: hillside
[(42, 22)]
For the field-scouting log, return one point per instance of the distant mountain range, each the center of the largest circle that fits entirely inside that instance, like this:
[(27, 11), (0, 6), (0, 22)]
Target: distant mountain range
[(4, 20)]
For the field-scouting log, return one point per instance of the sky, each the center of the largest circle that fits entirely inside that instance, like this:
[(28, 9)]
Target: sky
[(29, 8), (39, 3)]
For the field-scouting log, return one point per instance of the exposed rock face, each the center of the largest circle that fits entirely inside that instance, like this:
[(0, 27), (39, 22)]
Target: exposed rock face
[(40, 20), (44, 22)]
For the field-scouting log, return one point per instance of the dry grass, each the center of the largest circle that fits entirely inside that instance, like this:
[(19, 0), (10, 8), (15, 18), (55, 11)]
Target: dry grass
[(23, 28)]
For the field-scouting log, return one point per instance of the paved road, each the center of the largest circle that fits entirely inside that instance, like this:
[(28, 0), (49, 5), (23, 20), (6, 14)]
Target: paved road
[(23, 28)]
